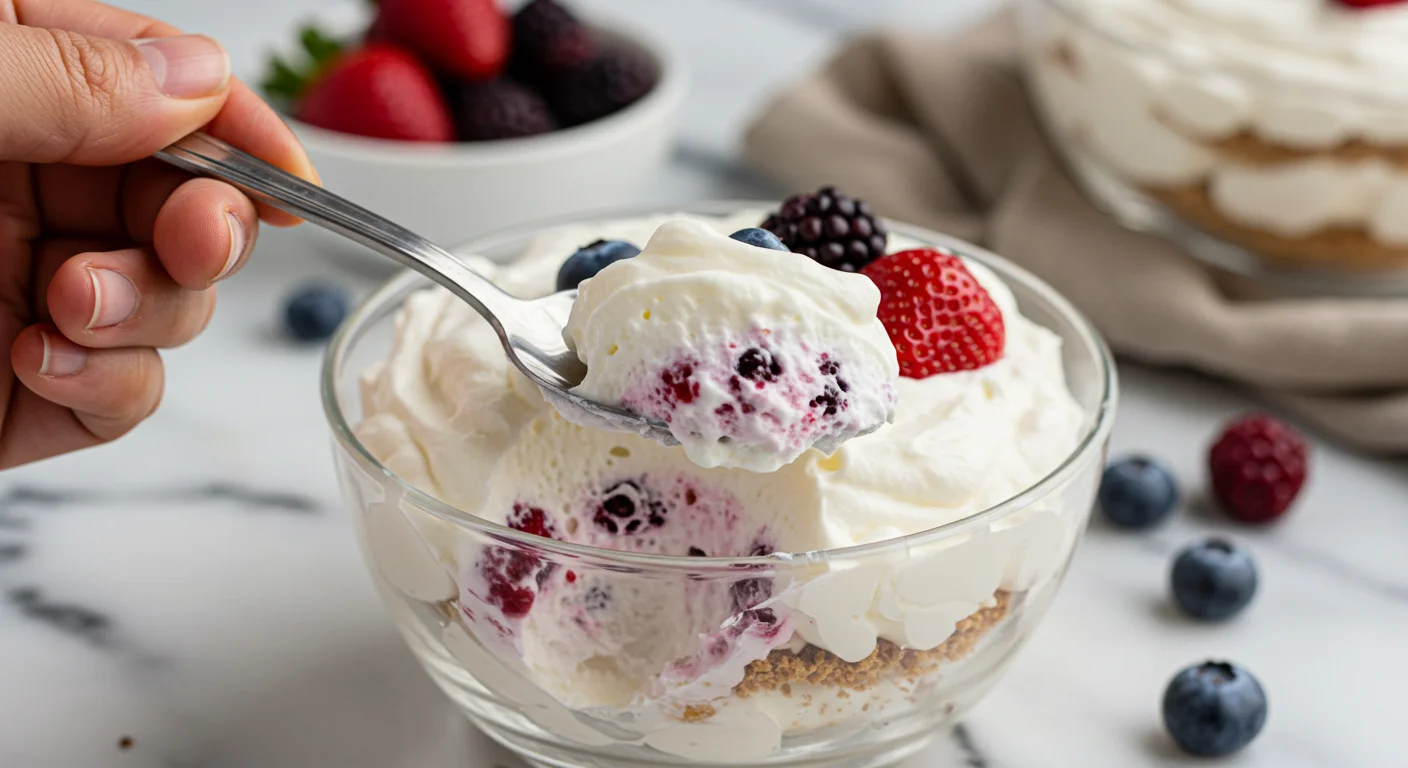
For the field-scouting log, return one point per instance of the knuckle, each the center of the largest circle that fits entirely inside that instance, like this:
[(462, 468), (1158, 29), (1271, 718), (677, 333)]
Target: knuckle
[(151, 382), (193, 317), (91, 77)]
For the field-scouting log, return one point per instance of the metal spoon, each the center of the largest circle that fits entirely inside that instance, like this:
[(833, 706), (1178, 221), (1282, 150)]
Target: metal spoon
[(530, 330)]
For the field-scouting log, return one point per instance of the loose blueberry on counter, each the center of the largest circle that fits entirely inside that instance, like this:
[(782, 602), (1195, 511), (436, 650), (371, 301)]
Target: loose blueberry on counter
[(759, 237), (1214, 579), (1214, 708), (314, 312), (1137, 492), (591, 259)]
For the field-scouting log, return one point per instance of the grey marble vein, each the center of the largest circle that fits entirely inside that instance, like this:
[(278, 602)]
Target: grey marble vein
[(972, 757), (49, 497), (70, 619)]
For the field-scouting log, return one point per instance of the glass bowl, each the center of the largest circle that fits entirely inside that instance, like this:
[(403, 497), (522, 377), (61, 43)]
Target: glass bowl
[(1255, 159), (976, 589)]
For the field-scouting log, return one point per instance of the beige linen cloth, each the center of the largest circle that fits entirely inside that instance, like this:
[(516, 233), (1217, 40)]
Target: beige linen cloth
[(939, 133)]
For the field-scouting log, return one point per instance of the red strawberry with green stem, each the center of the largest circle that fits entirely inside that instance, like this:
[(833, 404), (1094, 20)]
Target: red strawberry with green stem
[(379, 90)]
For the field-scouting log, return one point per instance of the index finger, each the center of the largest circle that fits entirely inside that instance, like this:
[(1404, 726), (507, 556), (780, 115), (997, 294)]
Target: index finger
[(252, 125), (246, 121)]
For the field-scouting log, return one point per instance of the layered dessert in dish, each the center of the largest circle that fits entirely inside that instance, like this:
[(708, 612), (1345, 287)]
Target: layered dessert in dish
[(857, 408), (1281, 127)]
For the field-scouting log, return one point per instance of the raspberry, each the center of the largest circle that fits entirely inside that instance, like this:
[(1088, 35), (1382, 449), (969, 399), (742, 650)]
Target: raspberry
[(829, 228), (938, 316), (1258, 465), (548, 38), (514, 574), (610, 82), (498, 109)]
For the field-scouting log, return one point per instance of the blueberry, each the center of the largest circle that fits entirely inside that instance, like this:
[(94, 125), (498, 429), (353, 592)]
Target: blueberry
[(1137, 492), (314, 312), (1214, 708), (759, 237), (1214, 579), (591, 259)]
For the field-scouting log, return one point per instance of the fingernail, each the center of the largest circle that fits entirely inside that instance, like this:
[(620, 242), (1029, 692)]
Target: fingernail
[(61, 357), (186, 66), (114, 298), (238, 243)]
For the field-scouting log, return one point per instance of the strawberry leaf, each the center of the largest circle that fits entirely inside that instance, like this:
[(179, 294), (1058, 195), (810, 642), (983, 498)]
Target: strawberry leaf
[(282, 81), (320, 47)]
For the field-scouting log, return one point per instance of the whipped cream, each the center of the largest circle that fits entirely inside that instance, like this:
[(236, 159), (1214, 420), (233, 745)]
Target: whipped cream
[(447, 413), (1305, 75), (750, 356)]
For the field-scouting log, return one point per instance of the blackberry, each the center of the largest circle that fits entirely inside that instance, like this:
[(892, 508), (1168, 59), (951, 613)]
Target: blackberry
[(626, 508), (829, 228), (610, 82), (498, 109), (548, 38)]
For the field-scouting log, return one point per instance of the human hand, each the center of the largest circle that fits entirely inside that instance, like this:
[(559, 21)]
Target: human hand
[(106, 255)]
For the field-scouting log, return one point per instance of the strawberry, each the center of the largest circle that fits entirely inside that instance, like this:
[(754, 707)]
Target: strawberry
[(379, 91), (938, 316), (467, 38)]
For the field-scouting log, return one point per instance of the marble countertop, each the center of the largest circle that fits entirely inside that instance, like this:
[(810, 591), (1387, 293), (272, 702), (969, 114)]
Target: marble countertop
[(196, 588)]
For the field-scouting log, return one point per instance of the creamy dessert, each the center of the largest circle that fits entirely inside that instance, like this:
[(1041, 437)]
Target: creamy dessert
[(750, 356), (1279, 126), (721, 663)]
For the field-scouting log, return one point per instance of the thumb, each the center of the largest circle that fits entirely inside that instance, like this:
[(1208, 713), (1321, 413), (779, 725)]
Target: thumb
[(93, 101)]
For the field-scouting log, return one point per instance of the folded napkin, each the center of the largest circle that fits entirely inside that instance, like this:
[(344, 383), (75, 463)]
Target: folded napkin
[(939, 133)]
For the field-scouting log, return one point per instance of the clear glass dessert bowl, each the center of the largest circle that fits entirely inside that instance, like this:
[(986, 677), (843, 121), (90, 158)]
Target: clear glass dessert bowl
[(578, 656), (1269, 142)]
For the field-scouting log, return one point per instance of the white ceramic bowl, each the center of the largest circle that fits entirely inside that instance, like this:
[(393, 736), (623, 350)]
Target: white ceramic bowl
[(452, 193)]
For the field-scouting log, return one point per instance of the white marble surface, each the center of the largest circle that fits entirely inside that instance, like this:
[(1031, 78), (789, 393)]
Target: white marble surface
[(196, 586)]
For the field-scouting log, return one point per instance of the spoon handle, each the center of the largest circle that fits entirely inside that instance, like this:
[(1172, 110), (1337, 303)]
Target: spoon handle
[(206, 155)]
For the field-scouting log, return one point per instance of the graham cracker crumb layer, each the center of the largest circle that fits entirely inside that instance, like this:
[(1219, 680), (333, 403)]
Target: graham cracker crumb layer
[(697, 713), (815, 666), (1344, 247), (1251, 149)]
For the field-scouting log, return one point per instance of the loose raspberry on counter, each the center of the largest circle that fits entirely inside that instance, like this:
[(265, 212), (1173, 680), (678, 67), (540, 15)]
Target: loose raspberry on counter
[(1258, 465), (939, 318), (829, 228)]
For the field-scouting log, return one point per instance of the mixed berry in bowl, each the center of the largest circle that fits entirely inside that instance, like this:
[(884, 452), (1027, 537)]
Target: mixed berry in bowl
[(441, 71), (592, 597)]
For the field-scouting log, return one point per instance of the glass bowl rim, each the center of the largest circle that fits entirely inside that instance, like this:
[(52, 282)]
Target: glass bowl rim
[(1085, 21), (371, 309)]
